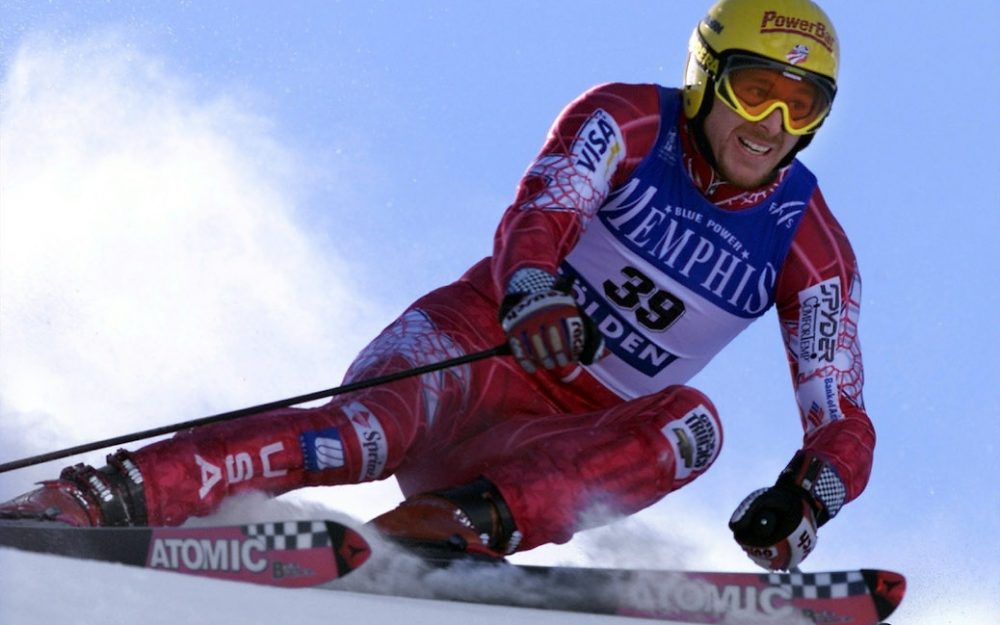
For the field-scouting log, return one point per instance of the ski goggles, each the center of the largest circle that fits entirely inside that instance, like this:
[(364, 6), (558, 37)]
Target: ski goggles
[(755, 87)]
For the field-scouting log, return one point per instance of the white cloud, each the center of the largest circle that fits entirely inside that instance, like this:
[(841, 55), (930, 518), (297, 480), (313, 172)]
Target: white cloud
[(153, 266)]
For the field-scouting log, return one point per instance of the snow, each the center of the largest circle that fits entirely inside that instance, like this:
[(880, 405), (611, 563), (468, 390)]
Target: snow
[(41, 588), (51, 589)]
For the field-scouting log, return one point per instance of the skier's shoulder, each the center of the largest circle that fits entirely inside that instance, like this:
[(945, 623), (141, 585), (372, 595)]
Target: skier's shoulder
[(821, 251), (610, 112), (820, 228), (621, 99)]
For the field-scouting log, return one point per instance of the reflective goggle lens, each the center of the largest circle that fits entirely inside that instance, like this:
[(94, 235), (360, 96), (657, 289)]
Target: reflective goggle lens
[(756, 90)]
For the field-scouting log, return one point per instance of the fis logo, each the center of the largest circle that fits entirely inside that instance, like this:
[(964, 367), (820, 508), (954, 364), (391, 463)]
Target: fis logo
[(787, 213)]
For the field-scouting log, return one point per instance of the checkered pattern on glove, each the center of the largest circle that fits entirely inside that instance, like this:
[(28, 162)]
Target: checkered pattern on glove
[(530, 280), (818, 478), (829, 490)]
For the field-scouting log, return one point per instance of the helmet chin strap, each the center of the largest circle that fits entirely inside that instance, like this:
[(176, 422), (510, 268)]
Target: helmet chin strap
[(804, 140), (696, 125)]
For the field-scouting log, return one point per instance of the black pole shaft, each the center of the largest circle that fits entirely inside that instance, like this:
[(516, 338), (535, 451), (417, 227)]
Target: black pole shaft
[(499, 350)]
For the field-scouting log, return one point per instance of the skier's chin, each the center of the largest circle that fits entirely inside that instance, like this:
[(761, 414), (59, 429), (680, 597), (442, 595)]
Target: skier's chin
[(744, 169), (747, 177)]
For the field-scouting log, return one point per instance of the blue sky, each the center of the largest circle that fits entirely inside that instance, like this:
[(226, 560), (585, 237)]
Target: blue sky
[(208, 205)]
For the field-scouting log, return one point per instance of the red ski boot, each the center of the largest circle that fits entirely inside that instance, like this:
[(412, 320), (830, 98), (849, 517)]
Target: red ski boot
[(84, 496), (467, 520)]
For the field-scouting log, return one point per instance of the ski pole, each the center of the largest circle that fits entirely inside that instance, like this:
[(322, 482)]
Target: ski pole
[(500, 350)]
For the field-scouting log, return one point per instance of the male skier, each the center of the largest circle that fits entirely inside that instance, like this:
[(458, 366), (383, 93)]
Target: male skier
[(652, 228)]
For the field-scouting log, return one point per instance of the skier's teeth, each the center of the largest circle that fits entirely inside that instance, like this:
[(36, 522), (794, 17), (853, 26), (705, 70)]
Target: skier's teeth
[(754, 147)]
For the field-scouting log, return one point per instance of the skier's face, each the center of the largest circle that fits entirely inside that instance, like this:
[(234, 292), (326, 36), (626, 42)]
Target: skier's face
[(746, 152)]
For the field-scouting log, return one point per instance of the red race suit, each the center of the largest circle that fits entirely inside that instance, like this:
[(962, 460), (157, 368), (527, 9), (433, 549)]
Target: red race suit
[(670, 262)]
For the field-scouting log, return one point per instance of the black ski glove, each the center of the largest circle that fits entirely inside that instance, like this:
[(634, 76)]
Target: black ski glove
[(777, 526)]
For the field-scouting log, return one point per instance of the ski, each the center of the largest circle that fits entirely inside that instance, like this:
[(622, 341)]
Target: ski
[(856, 597), (312, 553), (288, 554)]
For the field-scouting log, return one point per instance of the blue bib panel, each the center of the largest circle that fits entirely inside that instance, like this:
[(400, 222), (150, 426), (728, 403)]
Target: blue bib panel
[(669, 277)]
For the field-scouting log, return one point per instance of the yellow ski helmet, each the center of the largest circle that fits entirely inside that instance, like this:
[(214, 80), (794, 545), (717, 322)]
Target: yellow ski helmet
[(794, 34)]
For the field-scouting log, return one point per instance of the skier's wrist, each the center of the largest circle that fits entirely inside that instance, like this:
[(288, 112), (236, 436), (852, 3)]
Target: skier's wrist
[(818, 481)]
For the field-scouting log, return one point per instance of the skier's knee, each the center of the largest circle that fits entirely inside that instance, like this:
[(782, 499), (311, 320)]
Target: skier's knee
[(693, 432)]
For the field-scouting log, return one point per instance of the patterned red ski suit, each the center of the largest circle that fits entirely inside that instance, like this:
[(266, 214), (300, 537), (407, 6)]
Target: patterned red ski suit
[(613, 437)]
